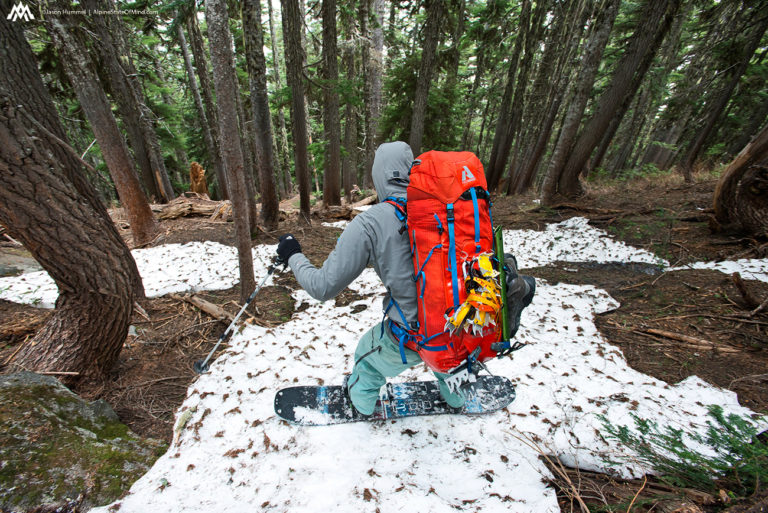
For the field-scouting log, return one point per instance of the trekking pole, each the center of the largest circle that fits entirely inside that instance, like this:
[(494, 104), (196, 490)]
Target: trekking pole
[(201, 366)]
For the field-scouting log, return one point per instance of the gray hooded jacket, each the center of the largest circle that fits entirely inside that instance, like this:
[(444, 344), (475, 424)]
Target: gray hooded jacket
[(373, 237)]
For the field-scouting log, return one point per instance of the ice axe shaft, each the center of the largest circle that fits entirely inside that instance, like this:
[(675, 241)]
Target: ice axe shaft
[(201, 366), (498, 237)]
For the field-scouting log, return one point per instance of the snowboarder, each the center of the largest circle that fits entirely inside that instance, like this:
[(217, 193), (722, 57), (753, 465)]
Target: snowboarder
[(376, 237)]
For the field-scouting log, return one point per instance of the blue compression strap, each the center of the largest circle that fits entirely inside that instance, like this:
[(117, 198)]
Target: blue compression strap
[(439, 224), (477, 219), (452, 255)]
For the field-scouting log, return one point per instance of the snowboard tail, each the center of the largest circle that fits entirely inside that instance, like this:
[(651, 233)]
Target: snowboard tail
[(326, 405)]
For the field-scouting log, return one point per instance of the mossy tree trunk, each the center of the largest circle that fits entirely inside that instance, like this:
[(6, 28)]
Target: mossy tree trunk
[(46, 203)]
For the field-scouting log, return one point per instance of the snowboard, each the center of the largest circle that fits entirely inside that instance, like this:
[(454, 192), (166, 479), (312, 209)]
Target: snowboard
[(326, 405)]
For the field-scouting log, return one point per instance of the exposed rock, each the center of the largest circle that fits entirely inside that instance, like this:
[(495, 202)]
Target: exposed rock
[(58, 452)]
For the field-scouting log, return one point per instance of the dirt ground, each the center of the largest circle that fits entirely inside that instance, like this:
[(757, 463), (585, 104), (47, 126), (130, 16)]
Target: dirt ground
[(669, 325)]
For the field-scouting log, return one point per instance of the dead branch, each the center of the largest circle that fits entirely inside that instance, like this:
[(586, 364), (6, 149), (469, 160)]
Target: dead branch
[(749, 299), (139, 310), (206, 306), (762, 306), (693, 342)]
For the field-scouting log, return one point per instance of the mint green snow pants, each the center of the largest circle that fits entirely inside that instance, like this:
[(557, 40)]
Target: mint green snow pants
[(377, 357)]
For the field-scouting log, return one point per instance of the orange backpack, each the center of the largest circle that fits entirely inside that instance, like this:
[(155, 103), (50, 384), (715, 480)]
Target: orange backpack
[(451, 235)]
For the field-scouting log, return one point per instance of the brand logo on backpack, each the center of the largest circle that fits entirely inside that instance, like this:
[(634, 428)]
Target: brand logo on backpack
[(466, 175)]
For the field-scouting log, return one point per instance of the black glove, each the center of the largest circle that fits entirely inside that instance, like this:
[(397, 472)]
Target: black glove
[(286, 248)]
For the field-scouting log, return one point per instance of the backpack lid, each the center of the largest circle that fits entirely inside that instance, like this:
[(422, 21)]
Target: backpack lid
[(445, 175)]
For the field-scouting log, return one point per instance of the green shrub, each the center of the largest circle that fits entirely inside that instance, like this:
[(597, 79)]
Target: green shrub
[(739, 462)]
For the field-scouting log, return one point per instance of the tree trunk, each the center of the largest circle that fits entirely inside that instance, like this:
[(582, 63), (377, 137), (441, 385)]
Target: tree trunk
[(248, 150), (294, 57), (257, 71), (654, 23), (210, 142), (349, 160), (502, 138), (181, 172), (231, 149), (123, 81), (281, 138), (94, 103), (718, 106), (547, 93), (371, 15), (331, 123), (432, 32), (741, 195), (201, 64), (593, 53), (447, 123), (97, 277)]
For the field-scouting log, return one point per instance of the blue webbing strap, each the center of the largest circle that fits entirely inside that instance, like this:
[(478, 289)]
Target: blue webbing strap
[(452, 255), (439, 224), (477, 219)]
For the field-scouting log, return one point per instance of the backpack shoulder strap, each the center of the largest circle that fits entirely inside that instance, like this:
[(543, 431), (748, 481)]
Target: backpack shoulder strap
[(400, 207)]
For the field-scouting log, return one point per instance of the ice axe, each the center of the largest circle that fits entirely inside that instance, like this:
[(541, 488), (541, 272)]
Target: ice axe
[(201, 366)]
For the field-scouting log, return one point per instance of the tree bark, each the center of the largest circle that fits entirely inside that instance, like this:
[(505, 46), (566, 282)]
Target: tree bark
[(502, 136), (432, 33), (741, 194), (94, 103), (331, 122), (281, 138), (371, 14), (654, 24), (123, 82), (723, 97), (231, 149), (210, 142), (97, 278), (349, 159), (257, 71), (294, 57), (201, 64), (593, 53)]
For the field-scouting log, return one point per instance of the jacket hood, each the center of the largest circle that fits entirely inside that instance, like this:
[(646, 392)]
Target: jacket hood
[(391, 169)]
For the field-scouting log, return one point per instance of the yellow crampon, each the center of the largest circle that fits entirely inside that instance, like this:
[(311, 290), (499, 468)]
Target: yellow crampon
[(483, 302)]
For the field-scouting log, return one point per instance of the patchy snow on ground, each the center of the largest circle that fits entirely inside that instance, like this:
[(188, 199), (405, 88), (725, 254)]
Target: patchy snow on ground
[(164, 269), (750, 269), (231, 453)]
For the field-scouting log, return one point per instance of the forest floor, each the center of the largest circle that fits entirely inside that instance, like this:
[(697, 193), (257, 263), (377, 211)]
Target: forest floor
[(723, 342)]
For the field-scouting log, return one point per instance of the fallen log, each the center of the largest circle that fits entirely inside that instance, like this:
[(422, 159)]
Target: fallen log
[(196, 205), (365, 201)]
